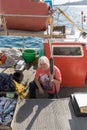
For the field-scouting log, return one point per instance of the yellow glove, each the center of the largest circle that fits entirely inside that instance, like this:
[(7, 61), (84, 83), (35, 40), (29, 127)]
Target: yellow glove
[(20, 89)]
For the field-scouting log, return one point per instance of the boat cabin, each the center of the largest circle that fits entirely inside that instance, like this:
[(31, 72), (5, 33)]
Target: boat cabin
[(71, 58)]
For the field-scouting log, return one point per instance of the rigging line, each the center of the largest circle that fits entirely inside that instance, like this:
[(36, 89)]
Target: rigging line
[(59, 6), (58, 13), (67, 6)]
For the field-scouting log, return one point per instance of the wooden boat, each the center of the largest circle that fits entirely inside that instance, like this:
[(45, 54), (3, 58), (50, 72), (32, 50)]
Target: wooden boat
[(34, 110), (34, 114), (37, 13)]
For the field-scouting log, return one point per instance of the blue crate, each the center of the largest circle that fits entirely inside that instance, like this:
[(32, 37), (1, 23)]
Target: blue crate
[(49, 2)]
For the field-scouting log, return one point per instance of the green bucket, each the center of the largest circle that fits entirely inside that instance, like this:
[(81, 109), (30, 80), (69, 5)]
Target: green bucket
[(29, 55)]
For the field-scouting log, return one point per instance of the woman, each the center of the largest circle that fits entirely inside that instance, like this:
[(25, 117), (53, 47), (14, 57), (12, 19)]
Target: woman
[(44, 81)]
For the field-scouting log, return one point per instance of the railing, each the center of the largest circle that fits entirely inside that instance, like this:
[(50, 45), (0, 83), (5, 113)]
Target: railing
[(25, 15)]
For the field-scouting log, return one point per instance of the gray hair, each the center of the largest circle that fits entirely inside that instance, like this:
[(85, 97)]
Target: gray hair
[(43, 59)]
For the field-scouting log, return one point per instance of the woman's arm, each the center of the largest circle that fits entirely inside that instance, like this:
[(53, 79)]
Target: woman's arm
[(57, 74), (39, 86), (56, 82)]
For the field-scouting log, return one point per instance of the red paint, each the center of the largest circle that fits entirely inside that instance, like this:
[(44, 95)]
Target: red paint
[(3, 58), (73, 69), (25, 7)]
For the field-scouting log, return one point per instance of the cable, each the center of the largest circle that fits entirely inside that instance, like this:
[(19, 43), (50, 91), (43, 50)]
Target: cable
[(58, 13)]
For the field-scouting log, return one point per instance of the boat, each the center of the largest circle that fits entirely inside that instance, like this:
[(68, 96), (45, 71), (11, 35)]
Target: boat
[(67, 52), (35, 11)]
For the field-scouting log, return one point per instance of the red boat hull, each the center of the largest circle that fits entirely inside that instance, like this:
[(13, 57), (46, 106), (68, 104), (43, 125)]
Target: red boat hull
[(28, 8)]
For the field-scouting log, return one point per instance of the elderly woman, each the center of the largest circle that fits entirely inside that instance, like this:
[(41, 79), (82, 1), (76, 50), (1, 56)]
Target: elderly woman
[(44, 81)]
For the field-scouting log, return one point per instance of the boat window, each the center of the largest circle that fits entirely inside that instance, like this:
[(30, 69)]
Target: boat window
[(67, 51)]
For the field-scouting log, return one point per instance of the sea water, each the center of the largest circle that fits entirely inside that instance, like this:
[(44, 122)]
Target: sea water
[(74, 12)]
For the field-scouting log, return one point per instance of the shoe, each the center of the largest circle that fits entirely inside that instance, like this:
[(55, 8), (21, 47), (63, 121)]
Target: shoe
[(51, 96)]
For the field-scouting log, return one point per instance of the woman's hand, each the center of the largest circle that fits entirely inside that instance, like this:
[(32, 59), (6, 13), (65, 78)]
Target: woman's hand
[(41, 91), (51, 76), (55, 81)]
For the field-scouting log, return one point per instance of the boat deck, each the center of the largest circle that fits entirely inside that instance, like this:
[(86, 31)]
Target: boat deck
[(45, 114), (42, 34)]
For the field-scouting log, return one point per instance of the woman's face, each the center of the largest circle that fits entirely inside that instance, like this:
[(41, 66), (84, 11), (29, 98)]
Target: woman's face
[(44, 66)]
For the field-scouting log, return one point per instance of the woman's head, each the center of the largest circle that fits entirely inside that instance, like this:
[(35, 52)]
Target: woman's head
[(43, 63)]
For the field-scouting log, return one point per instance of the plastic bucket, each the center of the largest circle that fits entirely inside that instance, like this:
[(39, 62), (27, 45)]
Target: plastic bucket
[(29, 55)]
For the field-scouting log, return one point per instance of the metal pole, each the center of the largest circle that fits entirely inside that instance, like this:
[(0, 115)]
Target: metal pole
[(23, 42), (52, 64), (82, 19)]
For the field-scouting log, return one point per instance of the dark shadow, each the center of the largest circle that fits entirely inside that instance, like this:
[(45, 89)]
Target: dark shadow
[(27, 108), (82, 2), (67, 91), (24, 111), (77, 123)]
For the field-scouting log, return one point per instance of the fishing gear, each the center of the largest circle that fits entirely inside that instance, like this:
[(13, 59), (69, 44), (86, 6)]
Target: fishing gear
[(52, 65)]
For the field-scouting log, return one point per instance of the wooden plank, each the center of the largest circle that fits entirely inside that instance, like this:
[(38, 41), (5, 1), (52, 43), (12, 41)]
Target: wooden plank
[(3, 127), (3, 21), (35, 34), (25, 33), (2, 70), (9, 71)]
